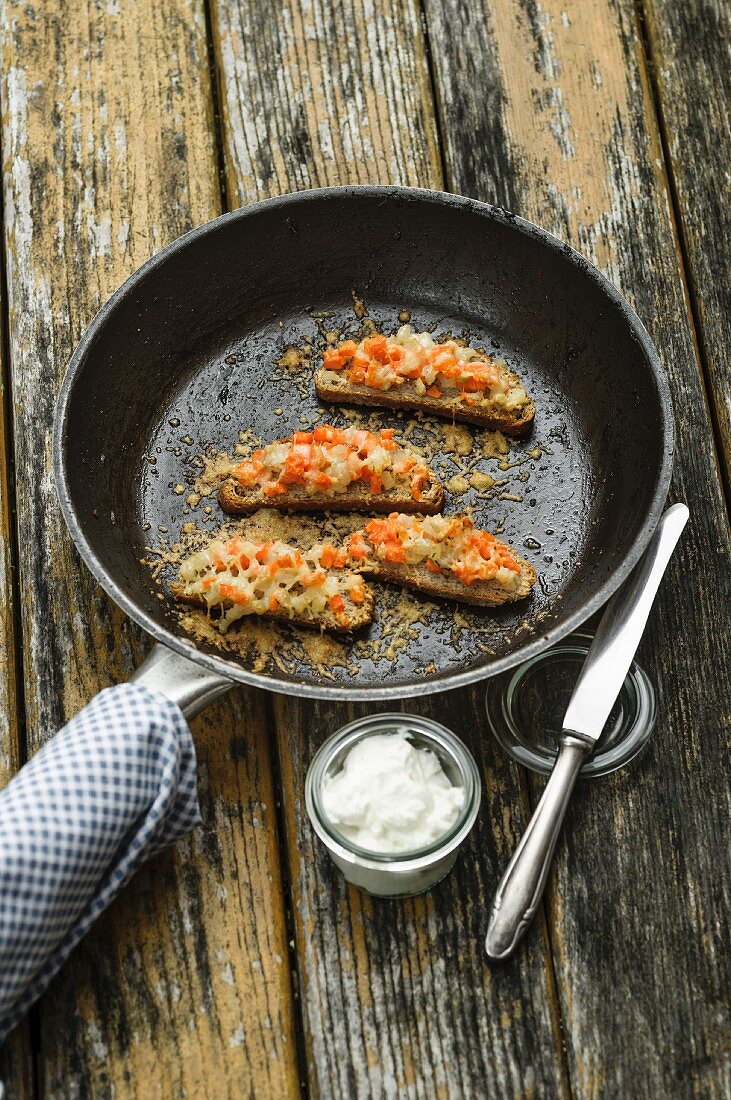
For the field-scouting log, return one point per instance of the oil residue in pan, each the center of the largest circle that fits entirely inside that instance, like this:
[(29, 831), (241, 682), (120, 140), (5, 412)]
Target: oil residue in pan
[(535, 493)]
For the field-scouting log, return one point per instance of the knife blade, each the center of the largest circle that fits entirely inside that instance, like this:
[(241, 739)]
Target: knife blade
[(618, 635)]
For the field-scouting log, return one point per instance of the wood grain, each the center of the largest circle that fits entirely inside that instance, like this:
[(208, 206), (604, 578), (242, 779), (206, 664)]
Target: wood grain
[(396, 996), (690, 51), (550, 113), (316, 94), (109, 152)]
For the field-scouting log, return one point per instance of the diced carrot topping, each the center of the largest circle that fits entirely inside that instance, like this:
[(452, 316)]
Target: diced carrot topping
[(377, 347), (273, 603), (357, 547), (275, 489), (432, 566), (246, 473), (418, 484), (235, 595), (357, 593), (434, 391), (302, 437), (337, 603), (323, 481), (332, 558), (372, 376), (395, 552), (262, 552), (285, 562), (310, 580), (207, 582), (294, 469), (332, 360), (376, 483)]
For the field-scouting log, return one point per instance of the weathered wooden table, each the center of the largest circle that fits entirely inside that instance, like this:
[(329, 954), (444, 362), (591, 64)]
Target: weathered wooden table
[(240, 964)]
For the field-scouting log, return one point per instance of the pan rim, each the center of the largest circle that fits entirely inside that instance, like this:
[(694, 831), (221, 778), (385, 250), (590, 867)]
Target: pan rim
[(445, 681)]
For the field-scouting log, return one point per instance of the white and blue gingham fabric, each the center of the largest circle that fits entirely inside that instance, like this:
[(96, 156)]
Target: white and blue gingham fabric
[(115, 786)]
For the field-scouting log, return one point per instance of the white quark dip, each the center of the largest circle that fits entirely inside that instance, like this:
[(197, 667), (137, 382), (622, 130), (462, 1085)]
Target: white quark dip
[(390, 796)]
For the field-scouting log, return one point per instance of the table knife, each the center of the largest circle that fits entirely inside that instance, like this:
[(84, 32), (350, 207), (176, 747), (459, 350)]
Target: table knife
[(607, 663)]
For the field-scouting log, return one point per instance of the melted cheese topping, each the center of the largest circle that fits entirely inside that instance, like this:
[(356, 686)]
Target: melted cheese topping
[(437, 370), (448, 545), (330, 460), (237, 577)]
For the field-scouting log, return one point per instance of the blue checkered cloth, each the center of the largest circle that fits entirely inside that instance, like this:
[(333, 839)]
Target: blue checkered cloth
[(115, 786)]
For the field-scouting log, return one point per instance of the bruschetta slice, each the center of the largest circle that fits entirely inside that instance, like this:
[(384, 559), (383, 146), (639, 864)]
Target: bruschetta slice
[(411, 371), (233, 577), (338, 469), (445, 556)]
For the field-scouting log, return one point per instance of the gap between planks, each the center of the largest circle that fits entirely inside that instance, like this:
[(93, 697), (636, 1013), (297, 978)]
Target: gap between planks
[(24, 1044)]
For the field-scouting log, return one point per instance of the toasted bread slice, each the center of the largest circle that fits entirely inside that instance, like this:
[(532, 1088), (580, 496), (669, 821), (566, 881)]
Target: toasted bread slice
[(409, 370), (358, 615), (237, 500), (333, 469), (234, 577), (444, 556), (341, 391), (479, 593)]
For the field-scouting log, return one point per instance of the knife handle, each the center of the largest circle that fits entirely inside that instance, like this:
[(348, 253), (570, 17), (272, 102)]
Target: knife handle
[(522, 884)]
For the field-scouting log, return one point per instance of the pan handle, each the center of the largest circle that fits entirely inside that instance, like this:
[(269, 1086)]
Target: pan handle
[(184, 681)]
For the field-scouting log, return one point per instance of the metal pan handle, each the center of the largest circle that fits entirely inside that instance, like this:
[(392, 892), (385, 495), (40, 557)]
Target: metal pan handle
[(184, 681)]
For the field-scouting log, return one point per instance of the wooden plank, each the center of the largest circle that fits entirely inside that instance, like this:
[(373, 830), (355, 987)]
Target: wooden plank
[(549, 112), (183, 988), (316, 94), (690, 49), (397, 997)]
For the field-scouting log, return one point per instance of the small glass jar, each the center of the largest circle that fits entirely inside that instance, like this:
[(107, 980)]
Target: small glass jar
[(525, 709), (395, 874)]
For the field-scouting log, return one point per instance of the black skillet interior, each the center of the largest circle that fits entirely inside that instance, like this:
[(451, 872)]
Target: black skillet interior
[(195, 338)]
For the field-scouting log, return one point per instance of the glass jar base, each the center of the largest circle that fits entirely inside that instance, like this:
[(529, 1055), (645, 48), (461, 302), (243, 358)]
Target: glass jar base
[(525, 709)]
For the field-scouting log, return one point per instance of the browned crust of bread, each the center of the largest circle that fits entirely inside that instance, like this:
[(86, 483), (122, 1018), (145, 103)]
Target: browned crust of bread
[(236, 500), (406, 397), (480, 594), (359, 615)]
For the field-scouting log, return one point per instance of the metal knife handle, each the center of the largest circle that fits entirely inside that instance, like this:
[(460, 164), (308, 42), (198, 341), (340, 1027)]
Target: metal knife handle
[(522, 884)]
